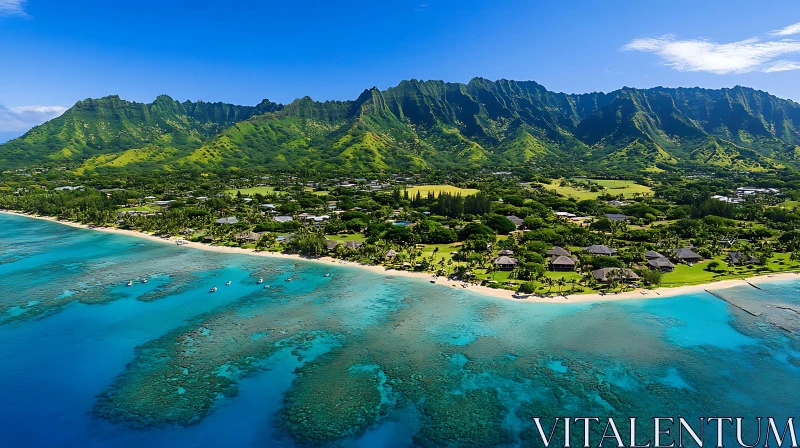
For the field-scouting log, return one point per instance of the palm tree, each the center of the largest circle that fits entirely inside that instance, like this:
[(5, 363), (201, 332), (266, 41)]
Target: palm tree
[(560, 282)]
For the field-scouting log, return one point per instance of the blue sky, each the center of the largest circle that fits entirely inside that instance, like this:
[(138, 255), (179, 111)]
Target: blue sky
[(56, 52)]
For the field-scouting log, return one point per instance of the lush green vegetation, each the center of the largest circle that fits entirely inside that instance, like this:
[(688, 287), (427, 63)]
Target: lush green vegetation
[(422, 125), (459, 232), (424, 190)]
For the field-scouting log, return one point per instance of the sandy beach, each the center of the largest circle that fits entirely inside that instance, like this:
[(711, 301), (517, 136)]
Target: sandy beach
[(639, 294)]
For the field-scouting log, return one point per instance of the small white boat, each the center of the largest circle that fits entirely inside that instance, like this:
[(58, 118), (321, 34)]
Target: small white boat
[(228, 283), (130, 283), (327, 274), (266, 286), (260, 281), (144, 280), (214, 289), (288, 279)]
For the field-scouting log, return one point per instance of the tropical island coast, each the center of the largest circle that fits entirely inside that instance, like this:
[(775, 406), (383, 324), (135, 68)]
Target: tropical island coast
[(637, 294)]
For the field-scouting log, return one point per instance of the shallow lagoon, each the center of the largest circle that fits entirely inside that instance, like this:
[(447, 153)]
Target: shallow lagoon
[(355, 359)]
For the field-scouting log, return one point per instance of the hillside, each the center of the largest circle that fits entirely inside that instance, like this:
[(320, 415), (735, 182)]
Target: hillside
[(428, 124), (110, 128)]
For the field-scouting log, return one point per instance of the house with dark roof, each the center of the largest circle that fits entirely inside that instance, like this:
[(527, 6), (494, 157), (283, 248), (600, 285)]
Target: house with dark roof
[(558, 251), (505, 263), (517, 221), (247, 236), (598, 249), (508, 252), (606, 275), (391, 253), (662, 264), (331, 244), (353, 244), (562, 263), (687, 256), (738, 258), (652, 255), (616, 217)]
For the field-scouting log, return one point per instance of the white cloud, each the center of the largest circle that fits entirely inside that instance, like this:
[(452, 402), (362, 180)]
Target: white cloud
[(702, 55), (782, 66), (10, 8), (16, 119), (788, 31)]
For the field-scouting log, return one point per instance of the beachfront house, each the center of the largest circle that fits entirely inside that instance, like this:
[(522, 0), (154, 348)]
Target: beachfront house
[(247, 237), (506, 263), (353, 244), (662, 264), (562, 263), (390, 254), (598, 249), (738, 258), (331, 245), (687, 256), (607, 275)]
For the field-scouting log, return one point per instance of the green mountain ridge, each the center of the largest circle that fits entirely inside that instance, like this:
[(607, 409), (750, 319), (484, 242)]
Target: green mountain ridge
[(427, 124)]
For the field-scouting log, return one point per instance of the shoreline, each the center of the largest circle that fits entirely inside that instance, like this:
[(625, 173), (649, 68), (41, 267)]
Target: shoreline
[(640, 294)]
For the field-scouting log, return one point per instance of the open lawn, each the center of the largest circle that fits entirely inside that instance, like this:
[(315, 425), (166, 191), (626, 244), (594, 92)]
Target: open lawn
[(436, 189), (347, 237), (253, 190), (143, 208), (791, 204), (613, 187), (685, 275)]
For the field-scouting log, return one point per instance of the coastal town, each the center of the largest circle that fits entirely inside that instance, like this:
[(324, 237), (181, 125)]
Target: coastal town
[(524, 232)]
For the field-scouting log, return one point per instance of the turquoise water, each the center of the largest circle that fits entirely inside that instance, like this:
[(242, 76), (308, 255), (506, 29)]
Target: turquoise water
[(357, 359)]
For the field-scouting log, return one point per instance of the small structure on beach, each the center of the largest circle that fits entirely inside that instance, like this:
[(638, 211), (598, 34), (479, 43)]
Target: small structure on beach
[(390, 254), (331, 244)]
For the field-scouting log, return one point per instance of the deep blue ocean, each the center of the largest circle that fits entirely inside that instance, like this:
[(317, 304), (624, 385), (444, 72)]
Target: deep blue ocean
[(354, 359)]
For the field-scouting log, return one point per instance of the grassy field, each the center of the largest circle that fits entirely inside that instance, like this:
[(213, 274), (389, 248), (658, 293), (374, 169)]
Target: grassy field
[(347, 237), (613, 187), (143, 208), (685, 275), (253, 190), (791, 204), (436, 189)]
